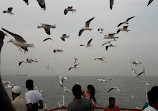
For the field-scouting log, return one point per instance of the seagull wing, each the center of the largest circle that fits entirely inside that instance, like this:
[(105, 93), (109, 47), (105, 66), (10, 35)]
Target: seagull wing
[(80, 32), (130, 18), (10, 9), (65, 11), (47, 30), (42, 4), (107, 47), (134, 71), (88, 22), (20, 63), (118, 89), (111, 4), (76, 65), (62, 38), (47, 39), (149, 2), (140, 73), (70, 68), (16, 36), (26, 1), (110, 90), (120, 24), (89, 42), (118, 31)]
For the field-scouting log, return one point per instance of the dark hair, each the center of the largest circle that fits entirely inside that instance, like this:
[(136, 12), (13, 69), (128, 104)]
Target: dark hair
[(92, 92), (29, 83), (77, 92), (152, 95), (111, 98)]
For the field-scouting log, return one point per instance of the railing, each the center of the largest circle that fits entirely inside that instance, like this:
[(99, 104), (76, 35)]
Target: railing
[(64, 107)]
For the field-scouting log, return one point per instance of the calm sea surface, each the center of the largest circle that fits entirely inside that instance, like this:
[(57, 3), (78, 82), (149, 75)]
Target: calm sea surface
[(52, 91)]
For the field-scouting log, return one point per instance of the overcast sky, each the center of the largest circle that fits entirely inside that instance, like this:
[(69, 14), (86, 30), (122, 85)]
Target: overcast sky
[(140, 43)]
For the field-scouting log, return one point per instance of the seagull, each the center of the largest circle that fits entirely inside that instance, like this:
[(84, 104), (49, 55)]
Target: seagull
[(107, 42), (149, 2), (69, 9), (101, 80), (47, 27), (26, 1), (64, 36), (47, 39), (61, 79), (109, 46), (28, 60), (49, 67), (9, 86), (145, 83), (19, 41), (86, 26), (75, 59), (111, 4), (75, 66), (100, 58), (126, 22), (57, 50), (89, 43), (110, 36), (100, 30), (9, 11), (38, 89), (67, 90), (123, 29), (5, 82), (42, 4), (135, 62), (114, 88), (138, 74)]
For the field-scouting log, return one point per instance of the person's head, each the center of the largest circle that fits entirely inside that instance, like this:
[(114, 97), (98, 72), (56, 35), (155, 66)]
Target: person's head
[(29, 84), (91, 91), (16, 90), (153, 97), (111, 101), (77, 91)]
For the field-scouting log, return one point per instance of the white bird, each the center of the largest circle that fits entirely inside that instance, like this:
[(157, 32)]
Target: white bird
[(110, 36), (126, 22), (100, 30), (42, 4), (9, 11), (47, 39), (138, 74), (57, 50), (100, 59), (38, 89), (109, 46), (101, 80), (67, 90), (123, 29), (64, 36), (75, 66), (86, 26), (114, 88), (61, 79), (89, 43), (47, 27), (145, 83), (49, 67), (135, 62), (19, 41), (70, 8), (111, 4), (149, 2)]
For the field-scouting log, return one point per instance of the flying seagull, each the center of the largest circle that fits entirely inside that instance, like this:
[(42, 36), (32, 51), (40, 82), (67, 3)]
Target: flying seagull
[(61, 79), (86, 26), (111, 4), (9, 86), (101, 80), (26, 1), (64, 36), (9, 11), (67, 90), (109, 46), (19, 41), (75, 59), (123, 29), (114, 88), (47, 39), (107, 42), (135, 62), (100, 59), (149, 2), (138, 74), (89, 43), (100, 30), (110, 36), (42, 4), (125, 22), (75, 66), (69, 9), (57, 50), (28, 60), (47, 27)]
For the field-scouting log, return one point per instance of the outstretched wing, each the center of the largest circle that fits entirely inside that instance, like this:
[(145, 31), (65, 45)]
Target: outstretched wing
[(149, 2), (140, 73), (107, 47), (10, 9), (88, 22), (65, 11), (89, 42), (111, 4), (26, 1), (110, 90), (42, 4), (16, 36), (80, 32), (130, 18), (47, 31), (120, 24)]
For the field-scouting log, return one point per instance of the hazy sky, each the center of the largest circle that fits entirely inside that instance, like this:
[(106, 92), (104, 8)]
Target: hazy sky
[(139, 44)]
